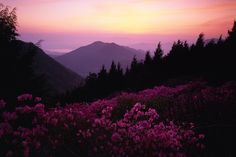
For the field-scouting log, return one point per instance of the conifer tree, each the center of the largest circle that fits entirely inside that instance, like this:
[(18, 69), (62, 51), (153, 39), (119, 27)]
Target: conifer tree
[(148, 58), (8, 24), (158, 54), (200, 41), (231, 39)]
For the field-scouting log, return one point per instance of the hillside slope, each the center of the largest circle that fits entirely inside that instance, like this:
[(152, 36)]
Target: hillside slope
[(58, 77)]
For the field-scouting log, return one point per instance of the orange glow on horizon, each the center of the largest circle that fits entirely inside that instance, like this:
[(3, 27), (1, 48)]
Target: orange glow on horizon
[(132, 16), (125, 21)]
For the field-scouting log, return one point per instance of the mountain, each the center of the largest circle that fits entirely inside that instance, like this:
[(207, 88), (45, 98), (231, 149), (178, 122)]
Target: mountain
[(53, 54), (58, 78), (90, 58)]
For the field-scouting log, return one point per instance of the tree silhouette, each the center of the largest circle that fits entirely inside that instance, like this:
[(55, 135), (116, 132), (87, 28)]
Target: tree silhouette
[(8, 24), (158, 54), (232, 33), (212, 61), (200, 41), (103, 73), (16, 60), (113, 69), (134, 64), (157, 65), (148, 59)]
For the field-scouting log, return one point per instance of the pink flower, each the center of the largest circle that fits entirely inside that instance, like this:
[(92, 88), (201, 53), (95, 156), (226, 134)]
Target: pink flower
[(25, 109), (115, 137), (201, 136), (39, 109), (25, 97), (121, 124), (97, 121), (37, 99)]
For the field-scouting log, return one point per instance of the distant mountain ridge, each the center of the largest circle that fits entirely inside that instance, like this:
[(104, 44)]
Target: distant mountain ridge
[(53, 54), (92, 57), (59, 78)]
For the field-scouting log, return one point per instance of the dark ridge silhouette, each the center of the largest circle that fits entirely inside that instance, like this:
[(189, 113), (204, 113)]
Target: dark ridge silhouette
[(59, 78), (91, 58), (24, 63), (25, 68), (211, 60)]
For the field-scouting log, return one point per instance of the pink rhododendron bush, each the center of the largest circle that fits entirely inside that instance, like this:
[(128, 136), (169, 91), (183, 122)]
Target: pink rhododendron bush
[(90, 130), (185, 120), (192, 102)]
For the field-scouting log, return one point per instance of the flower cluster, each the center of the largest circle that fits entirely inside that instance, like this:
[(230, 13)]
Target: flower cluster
[(147, 123), (25, 97), (140, 133), (32, 131)]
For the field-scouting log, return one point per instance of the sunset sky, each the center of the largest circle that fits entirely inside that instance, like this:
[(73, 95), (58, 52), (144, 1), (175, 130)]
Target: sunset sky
[(68, 24)]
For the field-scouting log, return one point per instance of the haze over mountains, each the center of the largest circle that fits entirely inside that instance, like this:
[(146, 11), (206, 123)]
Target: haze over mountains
[(92, 57), (53, 54), (58, 77)]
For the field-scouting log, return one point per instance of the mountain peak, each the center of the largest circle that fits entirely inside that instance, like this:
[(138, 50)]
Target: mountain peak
[(103, 43), (92, 57), (98, 43)]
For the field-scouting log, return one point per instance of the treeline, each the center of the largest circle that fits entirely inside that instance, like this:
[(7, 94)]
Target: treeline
[(213, 60)]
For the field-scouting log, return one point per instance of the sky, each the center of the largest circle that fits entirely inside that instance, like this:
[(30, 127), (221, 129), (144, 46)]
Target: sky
[(65, 25)]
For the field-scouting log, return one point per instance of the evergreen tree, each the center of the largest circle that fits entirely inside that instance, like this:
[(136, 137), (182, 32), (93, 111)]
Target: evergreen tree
[(8, 24), (103, 73), (113, 69), (92, 77), (134, 63), (232, 33), (220, 41), (148, 59), (119, 70), (200, 41), (158, 54), (102, 80), (120, 77)]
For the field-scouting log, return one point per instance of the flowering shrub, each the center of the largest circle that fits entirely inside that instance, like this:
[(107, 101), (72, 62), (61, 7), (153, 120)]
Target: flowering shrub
[(185, 102), (140, 133), (147, 123), (89, 130)]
